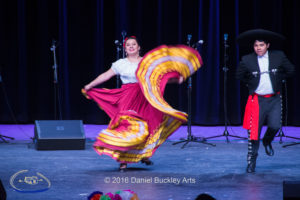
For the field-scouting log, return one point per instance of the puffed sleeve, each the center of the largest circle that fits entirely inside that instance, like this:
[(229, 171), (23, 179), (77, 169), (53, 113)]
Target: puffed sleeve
[(116, 67)]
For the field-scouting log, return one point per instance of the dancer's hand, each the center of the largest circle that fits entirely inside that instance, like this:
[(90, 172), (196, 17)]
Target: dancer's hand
[(180, 80), (87, 87)]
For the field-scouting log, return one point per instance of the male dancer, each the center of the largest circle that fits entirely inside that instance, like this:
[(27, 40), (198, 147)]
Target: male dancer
[(263, 72)]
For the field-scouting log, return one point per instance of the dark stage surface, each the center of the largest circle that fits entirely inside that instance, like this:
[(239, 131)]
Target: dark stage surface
[(176, 174)]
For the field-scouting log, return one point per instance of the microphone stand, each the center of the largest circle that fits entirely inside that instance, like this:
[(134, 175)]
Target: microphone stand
[(123, 40), (123, 33), (57, 98), (190, 137), (225, 69), (281, 133), (118, 57)]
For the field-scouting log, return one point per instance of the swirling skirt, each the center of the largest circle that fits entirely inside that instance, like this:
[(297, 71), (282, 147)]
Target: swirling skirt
[(141, 120), (136, 128)]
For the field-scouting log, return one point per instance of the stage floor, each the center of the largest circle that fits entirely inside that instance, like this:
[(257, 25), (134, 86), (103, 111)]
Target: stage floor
[(177, 173)]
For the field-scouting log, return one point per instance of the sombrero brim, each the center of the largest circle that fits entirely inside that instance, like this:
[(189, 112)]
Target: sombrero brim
[(248, 37)]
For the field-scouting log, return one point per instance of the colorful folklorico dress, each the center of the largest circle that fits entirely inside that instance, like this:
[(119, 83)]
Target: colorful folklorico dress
[(141, 120)]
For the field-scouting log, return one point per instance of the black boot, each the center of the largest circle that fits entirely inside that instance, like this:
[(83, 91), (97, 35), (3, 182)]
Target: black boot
[(251, 159), (147, 161), (253, 146), (268, 147), (123, 167), (267, 140)]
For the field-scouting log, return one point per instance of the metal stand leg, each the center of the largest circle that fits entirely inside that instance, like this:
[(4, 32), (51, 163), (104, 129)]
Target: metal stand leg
[(3, 138), (190, 137)]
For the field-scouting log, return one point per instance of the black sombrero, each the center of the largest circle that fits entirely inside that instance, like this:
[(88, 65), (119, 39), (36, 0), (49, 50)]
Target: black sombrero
[(248, 37)]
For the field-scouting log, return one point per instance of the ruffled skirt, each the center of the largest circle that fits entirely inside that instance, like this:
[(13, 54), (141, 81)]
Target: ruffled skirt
[(141, 120), (136, 128)]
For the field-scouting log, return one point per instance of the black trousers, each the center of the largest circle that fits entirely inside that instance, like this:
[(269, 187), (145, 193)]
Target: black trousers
[(270, 109)]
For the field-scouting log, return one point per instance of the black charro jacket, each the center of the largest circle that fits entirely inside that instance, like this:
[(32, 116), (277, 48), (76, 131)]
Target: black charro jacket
[(279, 66)]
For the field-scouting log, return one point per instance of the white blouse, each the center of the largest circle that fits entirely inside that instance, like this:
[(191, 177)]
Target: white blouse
[(126, 70)]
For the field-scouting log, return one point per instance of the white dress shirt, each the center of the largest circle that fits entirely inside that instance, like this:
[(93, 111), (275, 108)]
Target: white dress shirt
[(265, 85)]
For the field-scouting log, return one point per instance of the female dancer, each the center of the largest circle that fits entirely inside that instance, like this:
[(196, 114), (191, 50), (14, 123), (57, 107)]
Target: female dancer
[(138, 126)]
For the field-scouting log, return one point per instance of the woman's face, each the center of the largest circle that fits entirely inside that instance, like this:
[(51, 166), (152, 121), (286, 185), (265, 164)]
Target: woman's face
[(132, 47)]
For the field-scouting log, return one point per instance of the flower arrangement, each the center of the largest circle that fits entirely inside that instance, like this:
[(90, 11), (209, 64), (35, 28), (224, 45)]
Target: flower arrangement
[(119, 195)]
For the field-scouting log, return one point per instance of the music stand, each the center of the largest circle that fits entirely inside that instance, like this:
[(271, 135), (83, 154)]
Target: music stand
[(225, 69), (190, 137)]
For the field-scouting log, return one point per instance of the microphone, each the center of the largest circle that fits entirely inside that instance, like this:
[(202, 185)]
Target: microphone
[(117, 43), (200, 42), (225, 37), (225, 40), (53, 45), (189, 37)]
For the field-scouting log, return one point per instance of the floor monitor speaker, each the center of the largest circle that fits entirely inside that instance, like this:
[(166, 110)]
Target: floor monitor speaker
[(59, 135), (291, 190)]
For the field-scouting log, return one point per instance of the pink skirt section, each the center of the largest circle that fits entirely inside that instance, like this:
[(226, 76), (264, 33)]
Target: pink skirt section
[(136, 128)]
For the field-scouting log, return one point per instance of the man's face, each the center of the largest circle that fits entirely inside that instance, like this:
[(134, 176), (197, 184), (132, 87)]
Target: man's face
[(260, 48)]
